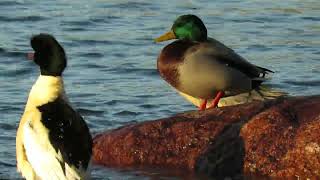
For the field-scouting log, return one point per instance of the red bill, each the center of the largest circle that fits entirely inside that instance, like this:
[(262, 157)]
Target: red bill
[(30, 55)]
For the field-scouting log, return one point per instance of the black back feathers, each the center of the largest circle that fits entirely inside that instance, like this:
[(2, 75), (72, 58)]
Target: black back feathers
[(68, 132)]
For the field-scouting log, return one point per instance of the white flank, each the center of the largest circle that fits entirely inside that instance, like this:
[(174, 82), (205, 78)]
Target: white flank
[(44, 159)]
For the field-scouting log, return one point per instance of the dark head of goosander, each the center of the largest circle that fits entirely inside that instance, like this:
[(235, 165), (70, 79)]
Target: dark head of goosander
[(49, 55)]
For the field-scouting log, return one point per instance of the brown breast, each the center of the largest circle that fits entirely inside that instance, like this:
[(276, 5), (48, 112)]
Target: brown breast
[(169, 59)]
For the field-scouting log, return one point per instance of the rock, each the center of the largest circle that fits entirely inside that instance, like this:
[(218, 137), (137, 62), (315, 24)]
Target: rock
[(277, 138)]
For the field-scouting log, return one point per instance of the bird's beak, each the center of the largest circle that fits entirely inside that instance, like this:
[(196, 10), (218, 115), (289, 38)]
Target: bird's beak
[(167, 36), (30, 56)]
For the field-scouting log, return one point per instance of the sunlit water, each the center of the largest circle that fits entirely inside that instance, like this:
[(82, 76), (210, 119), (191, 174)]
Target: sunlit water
[(111, 76)]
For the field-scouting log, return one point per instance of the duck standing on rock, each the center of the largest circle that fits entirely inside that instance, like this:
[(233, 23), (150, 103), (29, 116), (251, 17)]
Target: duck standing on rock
[(200, 67), (53, 141)]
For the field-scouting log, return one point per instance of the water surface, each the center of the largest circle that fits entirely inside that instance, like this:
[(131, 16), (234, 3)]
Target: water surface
[(111, 76)]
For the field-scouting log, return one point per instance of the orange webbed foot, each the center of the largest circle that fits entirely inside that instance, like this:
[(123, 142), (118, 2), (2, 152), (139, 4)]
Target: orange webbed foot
[(216, 100), (203, 105)]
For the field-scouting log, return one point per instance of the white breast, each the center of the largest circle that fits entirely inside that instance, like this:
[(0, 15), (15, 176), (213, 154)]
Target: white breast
[(46, 162)]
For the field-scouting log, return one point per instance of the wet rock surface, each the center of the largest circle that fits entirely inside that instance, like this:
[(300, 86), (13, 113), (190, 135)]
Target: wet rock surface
[(277, 138)]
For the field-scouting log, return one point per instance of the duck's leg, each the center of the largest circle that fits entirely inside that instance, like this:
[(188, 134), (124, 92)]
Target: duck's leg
[(216, 100), (203, 105)]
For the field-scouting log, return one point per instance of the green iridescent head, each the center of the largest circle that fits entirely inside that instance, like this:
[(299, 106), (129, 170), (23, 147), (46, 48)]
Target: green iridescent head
[(187, 27)]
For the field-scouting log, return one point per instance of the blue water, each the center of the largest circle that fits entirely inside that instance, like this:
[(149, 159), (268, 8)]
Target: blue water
[(111, 76)]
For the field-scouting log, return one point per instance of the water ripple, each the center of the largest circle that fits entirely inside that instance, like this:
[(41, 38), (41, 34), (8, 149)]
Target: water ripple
[(148, 106), (10, 3), (91, 42), (313, 83), (7, 53), (258, 47), (127, 5), (145, 72), (2, 163), (77, 23), (6, 126), (91, 55), (73, 29), (22, 18), (127, 113), (112, 102), (311, 18), (104, 19), (83, 111)]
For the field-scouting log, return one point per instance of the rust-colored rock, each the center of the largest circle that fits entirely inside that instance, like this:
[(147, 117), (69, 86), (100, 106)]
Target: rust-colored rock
[(277, 138)]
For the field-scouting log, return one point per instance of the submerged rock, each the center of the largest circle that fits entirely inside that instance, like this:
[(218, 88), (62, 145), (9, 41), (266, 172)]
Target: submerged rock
[(277, 138)]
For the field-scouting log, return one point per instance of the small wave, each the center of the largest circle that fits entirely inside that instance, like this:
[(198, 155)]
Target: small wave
[(128, 122), (269, 19), (245, 21), (104, 19), (166, 111), (134, 4), (77, 23), (124, 43), (84, 94), (74, 29), (303, 83), (22, 19), (10, 3), (119, 55), (83, 111), (5, 126), (259, 47), (144, 96), (311, 18), (148, 72), (6, 164), (9, 108), (92, 54), (127, 113), (16, 72), (112, 102), (21, 71), (148, 106), (12, 53), (128, 5), (96, 66), (8, 138), (92, 42)]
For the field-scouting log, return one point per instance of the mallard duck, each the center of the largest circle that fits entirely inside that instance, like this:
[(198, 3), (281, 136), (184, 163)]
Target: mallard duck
[(53, 140), (202, 67)]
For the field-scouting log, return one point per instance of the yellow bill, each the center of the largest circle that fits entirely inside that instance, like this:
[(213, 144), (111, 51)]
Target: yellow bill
[(167, 36)]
